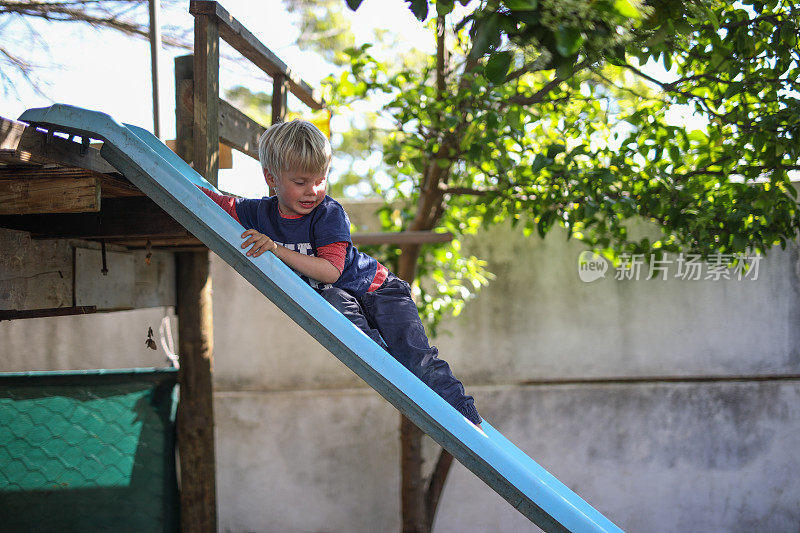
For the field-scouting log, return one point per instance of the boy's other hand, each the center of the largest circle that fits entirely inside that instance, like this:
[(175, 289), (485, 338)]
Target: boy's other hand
[(261, 243)]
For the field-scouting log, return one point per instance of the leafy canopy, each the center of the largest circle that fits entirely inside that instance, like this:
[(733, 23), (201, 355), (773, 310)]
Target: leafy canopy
[(563, 113)]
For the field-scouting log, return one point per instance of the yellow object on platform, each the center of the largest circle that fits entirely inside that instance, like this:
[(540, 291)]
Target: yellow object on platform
[(321, 119)]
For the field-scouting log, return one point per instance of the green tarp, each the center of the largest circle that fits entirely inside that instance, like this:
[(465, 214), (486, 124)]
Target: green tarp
[(88, 451)]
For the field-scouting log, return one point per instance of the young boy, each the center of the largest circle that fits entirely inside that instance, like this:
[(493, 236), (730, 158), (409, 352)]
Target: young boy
[(310, 232)]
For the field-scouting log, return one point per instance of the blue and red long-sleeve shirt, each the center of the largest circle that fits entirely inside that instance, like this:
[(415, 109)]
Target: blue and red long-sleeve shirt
[(325, 232)]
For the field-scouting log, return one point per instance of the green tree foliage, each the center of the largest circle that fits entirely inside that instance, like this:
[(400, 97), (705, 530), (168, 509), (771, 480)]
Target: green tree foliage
[(324, 28), (549, 113), (257, 106)]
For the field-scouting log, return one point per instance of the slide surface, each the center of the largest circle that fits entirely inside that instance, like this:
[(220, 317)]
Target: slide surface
[(170, 182)]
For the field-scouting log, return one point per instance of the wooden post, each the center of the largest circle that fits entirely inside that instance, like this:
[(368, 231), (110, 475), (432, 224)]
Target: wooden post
[(280, 91), (206, 97), (195, 419), (195, 410), (184, 107)]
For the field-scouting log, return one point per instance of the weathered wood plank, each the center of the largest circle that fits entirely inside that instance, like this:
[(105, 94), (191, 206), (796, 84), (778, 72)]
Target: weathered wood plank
[(195, 420), (23, 173), (34, 274), (16, 314), (114, 186), (61, 273), (49, 195), (235, 34), (236, 129), (279, 99), (10, 133), (156, 242), (239, 131), (206, 97), (117, 218), (111, 185), (111, 290), (184, 107), (154, 282), (24, 144), (360, 239)]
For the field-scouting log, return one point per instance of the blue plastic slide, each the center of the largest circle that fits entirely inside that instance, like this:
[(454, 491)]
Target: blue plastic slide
[(170, 182)]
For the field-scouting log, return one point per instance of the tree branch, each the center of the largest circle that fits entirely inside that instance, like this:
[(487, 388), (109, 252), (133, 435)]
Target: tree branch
[(466, 191), (435, 485), (87, 11), (539, 95), (441, 56), (524, 69)]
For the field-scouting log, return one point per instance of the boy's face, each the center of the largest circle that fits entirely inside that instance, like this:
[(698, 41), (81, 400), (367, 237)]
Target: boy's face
[(298, 193)]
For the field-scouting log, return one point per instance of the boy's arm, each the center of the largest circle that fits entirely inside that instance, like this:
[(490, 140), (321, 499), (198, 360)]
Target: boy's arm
[(313, 267), (227, 203)]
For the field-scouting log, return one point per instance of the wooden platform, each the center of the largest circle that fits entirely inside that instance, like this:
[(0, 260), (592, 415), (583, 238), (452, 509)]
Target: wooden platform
[(56, 187)]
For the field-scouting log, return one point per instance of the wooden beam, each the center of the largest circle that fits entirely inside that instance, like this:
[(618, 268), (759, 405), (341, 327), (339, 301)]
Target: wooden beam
[(14, 314), (400, 238), (20, 143), (117, 218), (206, 97), (51, 190), (116, 186), (10, 134), (232, 31), (154, 242), (26, 173), (111, 185), (361, 239), (239, 131)]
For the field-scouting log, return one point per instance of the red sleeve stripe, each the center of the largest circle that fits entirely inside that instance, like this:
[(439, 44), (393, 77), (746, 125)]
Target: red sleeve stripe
[(227, 203), (334, 253), (380, 277)]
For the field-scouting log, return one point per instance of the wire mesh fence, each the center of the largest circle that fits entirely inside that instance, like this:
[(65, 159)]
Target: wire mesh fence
[(88, 451)]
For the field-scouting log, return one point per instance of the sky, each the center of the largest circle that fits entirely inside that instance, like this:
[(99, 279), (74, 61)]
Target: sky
[(109, 72)]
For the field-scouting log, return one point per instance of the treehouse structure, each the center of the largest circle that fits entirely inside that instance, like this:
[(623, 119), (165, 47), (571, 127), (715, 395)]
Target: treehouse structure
[(113, 219)]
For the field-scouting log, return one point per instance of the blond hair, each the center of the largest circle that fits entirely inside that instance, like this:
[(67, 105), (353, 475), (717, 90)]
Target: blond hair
[(297, 146)]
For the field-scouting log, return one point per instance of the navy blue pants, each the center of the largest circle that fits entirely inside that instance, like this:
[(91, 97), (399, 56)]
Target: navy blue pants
[(390, 317)]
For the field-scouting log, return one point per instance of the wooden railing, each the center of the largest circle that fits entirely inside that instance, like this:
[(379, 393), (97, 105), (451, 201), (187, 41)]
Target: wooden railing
[(197, 91), (241, 39)]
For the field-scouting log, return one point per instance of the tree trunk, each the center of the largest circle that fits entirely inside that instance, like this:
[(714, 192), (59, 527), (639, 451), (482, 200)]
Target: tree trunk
[(418, 499), (412, 494)]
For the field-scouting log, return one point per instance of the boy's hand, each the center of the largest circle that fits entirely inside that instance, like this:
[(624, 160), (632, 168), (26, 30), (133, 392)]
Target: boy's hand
[(261, 243)]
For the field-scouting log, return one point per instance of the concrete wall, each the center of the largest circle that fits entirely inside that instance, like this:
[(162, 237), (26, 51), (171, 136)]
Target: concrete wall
[(102, 340), (669, 405)]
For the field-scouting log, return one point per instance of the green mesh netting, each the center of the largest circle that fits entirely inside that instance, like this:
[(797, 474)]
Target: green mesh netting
[(88, 451)]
